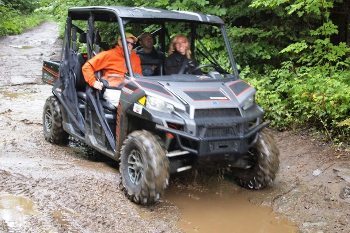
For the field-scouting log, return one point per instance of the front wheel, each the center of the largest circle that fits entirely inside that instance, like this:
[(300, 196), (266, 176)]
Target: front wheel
[(144, 167), (265, 164), (52, 122)]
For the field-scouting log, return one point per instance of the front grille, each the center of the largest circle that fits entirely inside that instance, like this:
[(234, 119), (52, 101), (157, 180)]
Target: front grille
[(220, 112), (216, 118), (221, 132), (227, 131)]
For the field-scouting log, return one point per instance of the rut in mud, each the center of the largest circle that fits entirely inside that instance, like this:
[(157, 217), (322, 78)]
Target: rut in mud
[(49, 188)]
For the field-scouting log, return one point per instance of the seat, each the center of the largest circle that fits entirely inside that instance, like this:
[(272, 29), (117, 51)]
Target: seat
[(80, 84), (109, 111), (98, 43), (107, 105)]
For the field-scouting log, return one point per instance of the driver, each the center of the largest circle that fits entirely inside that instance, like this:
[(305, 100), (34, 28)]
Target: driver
[(179, 59)]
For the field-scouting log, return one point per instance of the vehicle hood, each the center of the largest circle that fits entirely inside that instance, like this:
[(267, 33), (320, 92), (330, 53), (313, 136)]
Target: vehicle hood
[(200, 95)]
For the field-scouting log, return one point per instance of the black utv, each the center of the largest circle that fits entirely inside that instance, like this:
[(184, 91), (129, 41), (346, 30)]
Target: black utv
[(164, 123)]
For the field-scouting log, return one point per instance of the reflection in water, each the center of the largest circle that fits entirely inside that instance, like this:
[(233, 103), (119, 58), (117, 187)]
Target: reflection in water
[(224, 209), (15, 209)]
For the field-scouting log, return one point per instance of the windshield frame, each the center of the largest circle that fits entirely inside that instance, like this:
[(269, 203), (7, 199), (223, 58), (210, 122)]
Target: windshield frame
[(192, 35), (126, 15)]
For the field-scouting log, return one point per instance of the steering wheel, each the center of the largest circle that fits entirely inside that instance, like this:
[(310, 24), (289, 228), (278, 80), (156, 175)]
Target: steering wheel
[(204, 65), (188, 63)]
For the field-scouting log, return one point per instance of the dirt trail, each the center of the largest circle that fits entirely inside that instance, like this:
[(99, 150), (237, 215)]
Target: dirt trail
[(48, 188)]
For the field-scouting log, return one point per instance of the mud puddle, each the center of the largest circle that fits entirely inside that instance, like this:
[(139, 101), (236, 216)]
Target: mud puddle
[(13, 95), (22, 46), (223, 208), (15, 209)]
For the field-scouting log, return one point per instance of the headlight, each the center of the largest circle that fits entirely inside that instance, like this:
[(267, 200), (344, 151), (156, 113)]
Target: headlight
[(247, 103), (158, 104)]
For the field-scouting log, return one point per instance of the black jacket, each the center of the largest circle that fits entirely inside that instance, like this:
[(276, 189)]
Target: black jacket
[(150, 62), (176, 62)]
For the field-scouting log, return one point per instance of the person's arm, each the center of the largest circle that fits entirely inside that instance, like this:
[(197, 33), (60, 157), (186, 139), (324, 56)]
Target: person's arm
[(171, 66), (136, 64), (167, 66), (195, 65), (91, 66), (89, 76)]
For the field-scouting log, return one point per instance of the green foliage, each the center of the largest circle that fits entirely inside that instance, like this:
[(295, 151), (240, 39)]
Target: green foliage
[(23, 6), (17, 16), (345, 122), (297, 96), (298, 7), (310, 84)]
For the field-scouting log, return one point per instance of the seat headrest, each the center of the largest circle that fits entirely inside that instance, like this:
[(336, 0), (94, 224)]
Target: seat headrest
[(82, 37)]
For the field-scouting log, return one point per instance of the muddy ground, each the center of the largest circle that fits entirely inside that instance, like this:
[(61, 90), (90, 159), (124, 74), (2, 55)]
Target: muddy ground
[(49, 188)]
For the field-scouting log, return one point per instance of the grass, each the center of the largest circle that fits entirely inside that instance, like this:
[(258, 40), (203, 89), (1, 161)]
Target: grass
[(12, 23)]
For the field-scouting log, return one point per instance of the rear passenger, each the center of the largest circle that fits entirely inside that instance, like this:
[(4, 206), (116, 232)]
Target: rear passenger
[(151, 58)]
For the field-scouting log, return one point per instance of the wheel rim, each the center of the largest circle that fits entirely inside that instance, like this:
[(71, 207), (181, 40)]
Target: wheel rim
[(48, 120), (135, 167)]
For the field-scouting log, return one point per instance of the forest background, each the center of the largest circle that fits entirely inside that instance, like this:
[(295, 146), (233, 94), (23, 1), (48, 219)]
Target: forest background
[(296, 53)]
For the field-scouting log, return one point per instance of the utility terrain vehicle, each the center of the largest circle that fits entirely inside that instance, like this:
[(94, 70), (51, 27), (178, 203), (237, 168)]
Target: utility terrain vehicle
[(164, 123)]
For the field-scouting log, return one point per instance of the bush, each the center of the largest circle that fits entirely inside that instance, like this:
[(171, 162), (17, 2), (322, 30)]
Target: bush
[(305, 97), (15, 18)]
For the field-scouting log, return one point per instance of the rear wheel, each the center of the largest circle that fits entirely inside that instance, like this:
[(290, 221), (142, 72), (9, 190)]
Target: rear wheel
[(144, 168), (265, 164), (52, 122)]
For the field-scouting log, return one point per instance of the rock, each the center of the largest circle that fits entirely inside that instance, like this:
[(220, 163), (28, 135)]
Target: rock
[(314, 224), (317, 172), (345, 193), (343, 172)]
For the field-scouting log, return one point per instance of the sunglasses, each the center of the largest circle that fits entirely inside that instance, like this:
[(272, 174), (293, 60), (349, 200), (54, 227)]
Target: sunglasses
[(131, 43)]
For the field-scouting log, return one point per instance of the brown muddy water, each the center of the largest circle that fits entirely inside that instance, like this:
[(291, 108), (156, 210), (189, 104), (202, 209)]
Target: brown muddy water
[(222, 207), (15, 209), (13, 95)]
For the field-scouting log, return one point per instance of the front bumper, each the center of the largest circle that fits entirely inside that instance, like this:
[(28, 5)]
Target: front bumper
[(204, 146)]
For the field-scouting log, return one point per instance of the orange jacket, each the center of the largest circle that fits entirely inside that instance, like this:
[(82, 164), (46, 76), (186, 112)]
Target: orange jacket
[(112, 64)]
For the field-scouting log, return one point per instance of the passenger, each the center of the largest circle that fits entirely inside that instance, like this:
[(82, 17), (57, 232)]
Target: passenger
[(113, 67), (151, 59), (179, 58)]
